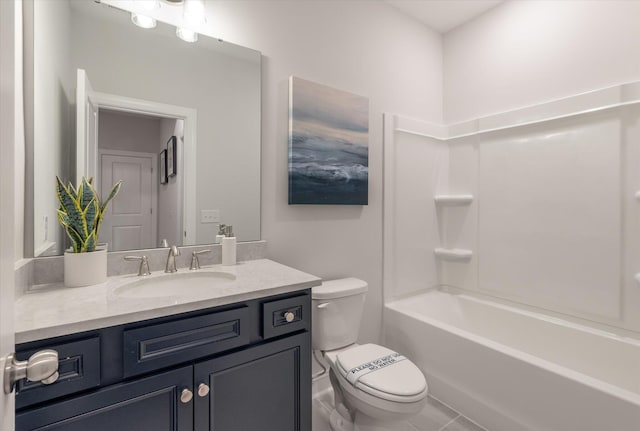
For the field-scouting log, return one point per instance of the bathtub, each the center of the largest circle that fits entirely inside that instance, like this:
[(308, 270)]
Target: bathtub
[(512, 369)]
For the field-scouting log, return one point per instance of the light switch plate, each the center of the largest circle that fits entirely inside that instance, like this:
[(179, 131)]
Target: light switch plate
[(210, 216)]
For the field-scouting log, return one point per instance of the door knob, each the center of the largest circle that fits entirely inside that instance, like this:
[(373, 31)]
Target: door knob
[(41, 366), (289, 316), (186, 396), (203, 390)]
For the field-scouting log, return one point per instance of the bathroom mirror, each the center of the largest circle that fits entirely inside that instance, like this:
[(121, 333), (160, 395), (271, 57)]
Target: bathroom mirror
[(146, 98)]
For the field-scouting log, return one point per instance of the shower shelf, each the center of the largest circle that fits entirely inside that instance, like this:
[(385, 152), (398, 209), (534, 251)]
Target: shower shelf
[(453, 200), (453, 254)]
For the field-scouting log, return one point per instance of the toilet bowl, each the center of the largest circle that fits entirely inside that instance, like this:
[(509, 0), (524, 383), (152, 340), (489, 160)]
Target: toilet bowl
[(373, 385)]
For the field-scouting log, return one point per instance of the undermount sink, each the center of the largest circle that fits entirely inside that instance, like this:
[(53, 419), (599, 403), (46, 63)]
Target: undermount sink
[(178, 284)]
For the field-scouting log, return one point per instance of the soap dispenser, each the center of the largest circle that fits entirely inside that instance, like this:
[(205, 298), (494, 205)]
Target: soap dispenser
[(228, 246), (221, 233)]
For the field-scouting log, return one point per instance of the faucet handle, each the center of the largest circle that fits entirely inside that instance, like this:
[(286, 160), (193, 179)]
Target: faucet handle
[(195, 262), (144, 264)]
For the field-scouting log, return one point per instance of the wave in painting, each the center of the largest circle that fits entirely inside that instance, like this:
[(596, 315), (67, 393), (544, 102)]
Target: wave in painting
[(328, 152)]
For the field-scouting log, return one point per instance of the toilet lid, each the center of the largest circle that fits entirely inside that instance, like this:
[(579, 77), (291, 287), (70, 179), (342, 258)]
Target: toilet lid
[(378, 371)]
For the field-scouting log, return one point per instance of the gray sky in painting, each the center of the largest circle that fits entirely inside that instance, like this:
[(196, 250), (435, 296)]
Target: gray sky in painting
[(328, 113)]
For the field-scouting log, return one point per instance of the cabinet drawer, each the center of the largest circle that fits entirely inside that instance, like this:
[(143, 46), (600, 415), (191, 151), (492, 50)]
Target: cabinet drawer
[(275, 313), (165, 344), (78, 366)]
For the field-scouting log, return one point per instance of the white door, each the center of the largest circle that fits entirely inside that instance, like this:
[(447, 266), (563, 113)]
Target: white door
[(130, 222), (86, 128), (8, 129)]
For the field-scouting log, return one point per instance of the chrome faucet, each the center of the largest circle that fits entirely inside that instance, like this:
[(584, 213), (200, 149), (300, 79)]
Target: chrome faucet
[(144, 264), (171, 259), (195, 262)]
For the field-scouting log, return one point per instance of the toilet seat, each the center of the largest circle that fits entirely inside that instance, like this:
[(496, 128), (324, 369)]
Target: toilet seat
[(379, 372)]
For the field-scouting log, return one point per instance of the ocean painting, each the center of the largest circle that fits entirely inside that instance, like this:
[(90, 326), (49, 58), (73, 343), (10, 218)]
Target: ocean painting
[(328, 145)]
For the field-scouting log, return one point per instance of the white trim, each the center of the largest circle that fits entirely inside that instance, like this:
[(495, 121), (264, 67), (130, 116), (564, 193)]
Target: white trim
[(388, 205), (189, 116), (11, 140), (584, 103), (154, 181)]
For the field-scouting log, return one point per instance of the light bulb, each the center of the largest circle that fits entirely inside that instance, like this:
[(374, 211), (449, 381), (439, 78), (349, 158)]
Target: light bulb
[(186, 34), (142, 20), (193, 12)]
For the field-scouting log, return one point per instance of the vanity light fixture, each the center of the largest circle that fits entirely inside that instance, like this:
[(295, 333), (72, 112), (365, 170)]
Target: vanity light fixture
[(192, 16), (186, 34)]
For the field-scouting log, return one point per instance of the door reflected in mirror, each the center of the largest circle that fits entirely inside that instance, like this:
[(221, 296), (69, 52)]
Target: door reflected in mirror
[(140, 88)]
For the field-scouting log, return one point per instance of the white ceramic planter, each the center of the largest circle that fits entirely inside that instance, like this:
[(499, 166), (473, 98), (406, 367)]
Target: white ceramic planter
[(85, 269)]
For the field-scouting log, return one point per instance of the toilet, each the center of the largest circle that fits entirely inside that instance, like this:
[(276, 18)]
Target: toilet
[(374, 387)]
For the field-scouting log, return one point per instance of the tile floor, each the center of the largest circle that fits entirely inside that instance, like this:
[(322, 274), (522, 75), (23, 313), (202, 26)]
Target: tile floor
[(434, 417)]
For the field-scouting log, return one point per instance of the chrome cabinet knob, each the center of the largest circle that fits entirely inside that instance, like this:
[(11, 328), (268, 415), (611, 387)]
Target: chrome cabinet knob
[(289, 316), (186, 396), (203, 390)]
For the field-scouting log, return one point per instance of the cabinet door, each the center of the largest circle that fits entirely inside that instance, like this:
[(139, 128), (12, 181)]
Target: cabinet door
[(266, 388), (147, 404)]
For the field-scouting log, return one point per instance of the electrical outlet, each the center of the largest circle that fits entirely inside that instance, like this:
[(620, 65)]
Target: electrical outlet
[(210, 216)]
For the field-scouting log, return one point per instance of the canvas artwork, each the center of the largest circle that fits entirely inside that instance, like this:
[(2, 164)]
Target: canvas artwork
[(328, 145)]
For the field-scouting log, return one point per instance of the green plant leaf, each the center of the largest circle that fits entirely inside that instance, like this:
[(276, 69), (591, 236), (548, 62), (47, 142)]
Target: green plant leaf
[(103, 208), (70, 205), (90, 243), (114, 191), (86, 193), (81, 212), (90, 214), (74, 236)]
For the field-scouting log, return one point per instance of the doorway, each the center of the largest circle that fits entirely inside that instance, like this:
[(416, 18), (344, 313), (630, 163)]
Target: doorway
[(147, 209)]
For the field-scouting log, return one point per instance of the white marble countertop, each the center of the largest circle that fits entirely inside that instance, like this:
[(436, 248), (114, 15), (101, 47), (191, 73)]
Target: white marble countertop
[(50, 310)]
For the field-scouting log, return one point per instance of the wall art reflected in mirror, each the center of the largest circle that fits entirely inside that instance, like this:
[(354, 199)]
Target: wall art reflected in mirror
[(109, 100)]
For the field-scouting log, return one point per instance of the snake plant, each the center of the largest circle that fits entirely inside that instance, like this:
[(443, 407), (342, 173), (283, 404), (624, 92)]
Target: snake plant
[(81, 212)]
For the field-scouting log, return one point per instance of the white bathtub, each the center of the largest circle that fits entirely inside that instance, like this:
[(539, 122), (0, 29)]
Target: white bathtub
[(511, 369)]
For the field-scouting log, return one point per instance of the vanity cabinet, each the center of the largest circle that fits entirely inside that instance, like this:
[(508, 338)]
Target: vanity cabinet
[(245, 366)]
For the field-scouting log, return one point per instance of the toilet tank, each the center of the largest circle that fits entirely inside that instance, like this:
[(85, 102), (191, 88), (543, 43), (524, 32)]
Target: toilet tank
[(337, 307)]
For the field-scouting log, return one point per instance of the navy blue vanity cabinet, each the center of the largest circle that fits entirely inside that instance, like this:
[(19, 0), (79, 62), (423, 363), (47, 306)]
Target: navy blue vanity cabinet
[(148, 404), (239, 367), (263, 388)]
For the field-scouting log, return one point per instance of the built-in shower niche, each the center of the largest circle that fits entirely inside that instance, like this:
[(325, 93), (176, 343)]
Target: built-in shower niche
[(544, 213)]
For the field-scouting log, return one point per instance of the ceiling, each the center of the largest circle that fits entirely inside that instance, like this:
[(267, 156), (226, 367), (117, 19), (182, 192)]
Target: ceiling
[(444, 15)]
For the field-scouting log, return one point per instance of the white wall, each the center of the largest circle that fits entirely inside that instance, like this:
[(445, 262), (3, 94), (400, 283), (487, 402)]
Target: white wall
[(367, 48), (52, 120), (526, 52), (118, 131), (11, 186)]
